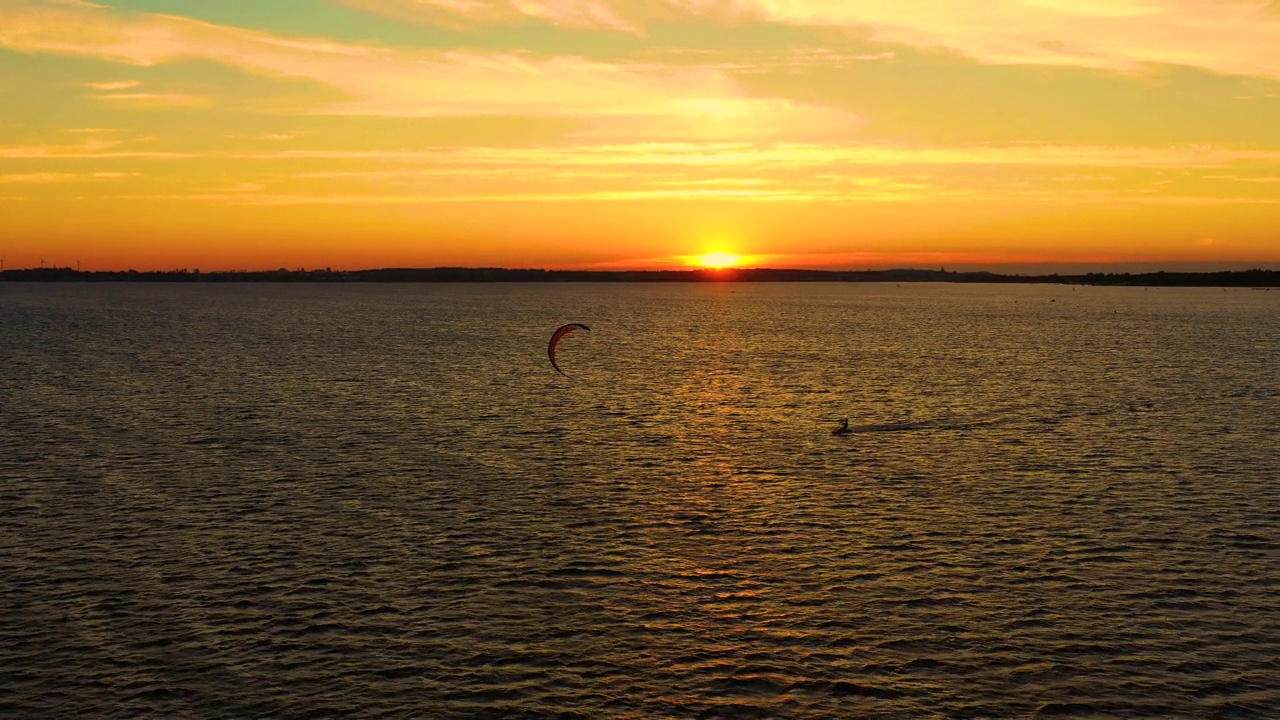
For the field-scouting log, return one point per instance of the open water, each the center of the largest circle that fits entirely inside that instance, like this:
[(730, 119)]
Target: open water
[(381, 501)]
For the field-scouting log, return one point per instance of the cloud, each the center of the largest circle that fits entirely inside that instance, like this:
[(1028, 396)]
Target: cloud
[(402, 83), (157, 99), (92, 150), (774, 156), (1264, 180), (563, 13), (52, 178), (345, 199), (721, 172), (117, 85), (43, 178), (820, 161), (1235, 37)]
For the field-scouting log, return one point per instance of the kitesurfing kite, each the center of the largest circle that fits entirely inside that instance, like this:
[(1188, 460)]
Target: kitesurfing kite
[(555, 340)]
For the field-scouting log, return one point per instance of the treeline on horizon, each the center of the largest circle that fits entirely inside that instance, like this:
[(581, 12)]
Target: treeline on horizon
[(1233, 278)]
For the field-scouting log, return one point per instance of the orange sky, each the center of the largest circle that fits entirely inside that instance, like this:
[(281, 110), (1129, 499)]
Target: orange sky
[(159, 134)]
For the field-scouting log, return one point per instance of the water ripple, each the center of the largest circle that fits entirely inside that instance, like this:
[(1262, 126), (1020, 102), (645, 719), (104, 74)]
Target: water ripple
[(274, 501)]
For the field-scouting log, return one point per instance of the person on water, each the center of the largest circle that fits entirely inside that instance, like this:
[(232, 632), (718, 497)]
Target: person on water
[(843, 429)]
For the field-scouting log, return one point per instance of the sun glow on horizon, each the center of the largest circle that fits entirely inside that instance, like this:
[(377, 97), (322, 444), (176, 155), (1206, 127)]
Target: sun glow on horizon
[(717, 260)]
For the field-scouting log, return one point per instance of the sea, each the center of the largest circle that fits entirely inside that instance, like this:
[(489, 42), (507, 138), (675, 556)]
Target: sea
[(377, 500)]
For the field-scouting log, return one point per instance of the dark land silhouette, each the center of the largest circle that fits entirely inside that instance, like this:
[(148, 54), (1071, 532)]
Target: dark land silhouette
[(1241, 278)]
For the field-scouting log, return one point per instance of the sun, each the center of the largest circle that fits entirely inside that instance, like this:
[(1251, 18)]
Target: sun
[(718, 260)]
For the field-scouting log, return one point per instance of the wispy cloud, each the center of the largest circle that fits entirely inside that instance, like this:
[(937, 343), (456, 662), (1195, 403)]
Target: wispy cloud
[(1261, 180), (401, 83), (51, 178), (1236, 37), (92, 150), (878, 259), (241, 188), (773, 156), (348, 199), (115, 85), (1226, 36), (181, 100), (564, 13), (750, 162)]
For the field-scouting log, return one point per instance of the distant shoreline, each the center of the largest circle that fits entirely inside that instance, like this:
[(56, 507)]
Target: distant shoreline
[(1239, 278)]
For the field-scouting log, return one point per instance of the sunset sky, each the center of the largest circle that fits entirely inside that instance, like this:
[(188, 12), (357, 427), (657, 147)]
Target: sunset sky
[(160, 134)]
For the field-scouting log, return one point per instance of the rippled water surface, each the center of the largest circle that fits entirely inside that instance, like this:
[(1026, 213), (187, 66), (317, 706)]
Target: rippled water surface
[(367, 500)]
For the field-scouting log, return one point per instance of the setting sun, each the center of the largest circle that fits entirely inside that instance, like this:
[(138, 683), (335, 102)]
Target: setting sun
[(719, 260)]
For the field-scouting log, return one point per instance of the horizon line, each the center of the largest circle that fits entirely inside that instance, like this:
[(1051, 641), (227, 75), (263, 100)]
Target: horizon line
[(701, 272)]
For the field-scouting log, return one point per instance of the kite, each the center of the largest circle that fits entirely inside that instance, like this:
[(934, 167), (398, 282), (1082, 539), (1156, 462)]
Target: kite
[(555, 340)]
